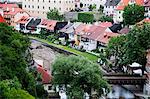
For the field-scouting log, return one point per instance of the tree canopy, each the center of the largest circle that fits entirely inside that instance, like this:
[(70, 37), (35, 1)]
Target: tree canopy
[(54, 14), (78, 75), (106, 19), (131, 47), (85, 17), (133, 14), (11, 89)]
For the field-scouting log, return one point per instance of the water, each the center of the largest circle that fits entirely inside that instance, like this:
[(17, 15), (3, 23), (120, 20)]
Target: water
[(118, 91)]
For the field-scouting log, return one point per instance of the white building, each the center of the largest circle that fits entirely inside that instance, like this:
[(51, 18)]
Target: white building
[(110, 6), (41, 7), (87, 3)]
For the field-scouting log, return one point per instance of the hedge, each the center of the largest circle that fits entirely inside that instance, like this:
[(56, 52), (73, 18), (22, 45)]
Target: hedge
[(86, 17)]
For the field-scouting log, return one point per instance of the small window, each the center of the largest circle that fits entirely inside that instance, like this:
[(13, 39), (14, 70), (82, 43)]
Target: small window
[(49, 87)]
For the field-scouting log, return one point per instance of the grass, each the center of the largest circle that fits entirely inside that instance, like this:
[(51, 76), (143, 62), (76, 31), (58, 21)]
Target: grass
[(84, 54)]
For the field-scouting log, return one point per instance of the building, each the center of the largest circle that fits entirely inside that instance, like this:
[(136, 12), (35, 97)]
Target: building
[(147, 8), (39, 8), (110, 6), (12, 13), (87, 3), (120, 7)]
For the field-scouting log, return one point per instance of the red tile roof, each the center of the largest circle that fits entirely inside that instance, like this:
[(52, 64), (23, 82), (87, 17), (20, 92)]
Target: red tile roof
[(94, 32), (13, 11), (124, 3), (9, 6), (46, 77), (147, 3), (2, 19), (106, 36), (124, 30), (23, 20), (105, 24), (50, 24)]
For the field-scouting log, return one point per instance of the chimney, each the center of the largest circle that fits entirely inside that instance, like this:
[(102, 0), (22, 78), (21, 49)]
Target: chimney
[(7, 9), (13, 9)]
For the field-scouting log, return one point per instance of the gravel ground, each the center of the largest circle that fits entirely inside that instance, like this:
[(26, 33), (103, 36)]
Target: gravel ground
[(41, 52)]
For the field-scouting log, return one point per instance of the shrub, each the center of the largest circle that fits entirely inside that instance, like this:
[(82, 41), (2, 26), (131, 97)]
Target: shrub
[(86, 17)]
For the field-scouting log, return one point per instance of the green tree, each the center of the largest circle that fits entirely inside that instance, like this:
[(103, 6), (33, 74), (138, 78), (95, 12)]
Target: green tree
[(133, 14), (54, 14), (11, 89), (14, 58), (116, 49), (86, 17), (78, 75), (138, 41), (106, 19)]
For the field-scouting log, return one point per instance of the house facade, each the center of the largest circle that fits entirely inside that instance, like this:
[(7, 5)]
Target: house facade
[(39, 8), (12, 13), (147, 8), (110, 6)]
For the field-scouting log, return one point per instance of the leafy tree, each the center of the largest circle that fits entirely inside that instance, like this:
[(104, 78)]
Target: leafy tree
[(78, 75), (138, 41), (14, 58), (86, 17), (116, 48), (133, 14), (54, 14), (11, 89), (106, 19)]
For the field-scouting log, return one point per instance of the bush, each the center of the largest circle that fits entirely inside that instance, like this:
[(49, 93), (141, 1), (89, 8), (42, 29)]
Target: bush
[(86, 17), (106, 18)]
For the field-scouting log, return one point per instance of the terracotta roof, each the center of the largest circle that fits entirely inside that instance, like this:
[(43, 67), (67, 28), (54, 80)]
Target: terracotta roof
[(9, 6), (13, 11), (105, 24), (46, 77), (50, 24), (23, 20), (106, 36), (147, 3), (124, 3), (80, 30), (2, 20), (94, 32)]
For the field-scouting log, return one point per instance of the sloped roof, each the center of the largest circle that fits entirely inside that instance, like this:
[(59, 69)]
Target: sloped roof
[(9, 6), (147, 3), (2, 20), (13, 12), (46, 77), (23, 20), (112, 2), (50, 24), (105, 24), (73, 27)]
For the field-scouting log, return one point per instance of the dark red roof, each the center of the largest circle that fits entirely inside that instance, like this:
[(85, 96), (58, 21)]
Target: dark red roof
[(46, 77), (2, 19), (147, 3)]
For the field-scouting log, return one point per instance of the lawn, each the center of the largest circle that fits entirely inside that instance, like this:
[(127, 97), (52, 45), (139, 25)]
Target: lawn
[(84, 54)]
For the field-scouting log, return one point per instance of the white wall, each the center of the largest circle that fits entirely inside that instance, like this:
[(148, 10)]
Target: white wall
[(148, 11), (118, 17), (32, 6), (89, 46), (108, 10)]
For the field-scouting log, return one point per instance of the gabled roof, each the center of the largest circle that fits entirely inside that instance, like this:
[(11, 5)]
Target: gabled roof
[(115, 28), (106, 36), (23, 20), (105, 24), (46, 77), (72, 28), (13, 11), (64, 29), (9, 6), (147, 3), (50, 24), (112, 2), (2, 20)]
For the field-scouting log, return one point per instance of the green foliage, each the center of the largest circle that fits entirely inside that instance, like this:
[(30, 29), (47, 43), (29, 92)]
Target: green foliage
[(133, 14), (130, 48), (86, 17), (106, 19), (116, 48), (11, 89), (54, 14), (80, 74), (13, 58), (137, 44)]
